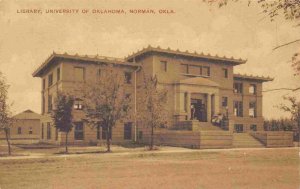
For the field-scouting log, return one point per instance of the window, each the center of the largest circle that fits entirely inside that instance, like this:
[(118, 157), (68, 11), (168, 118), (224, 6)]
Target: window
[(238, 128), (43, 104), (225, 72), (238, 87), (195, 70), (252, 89), (104, 130), (185, 101), (98, 131), (58, 74), (19, 130), (127, 77), (184, 68), (140, 136), (50, 106), (224, 101), (127, 131), (42, 130), (79, 74), (44, 84), (78, 133), (238, 108), (205, 71), (50, 80), (48, 131), (252, 109), (78, 104), (30, 131), (253, 127), (163, 66)]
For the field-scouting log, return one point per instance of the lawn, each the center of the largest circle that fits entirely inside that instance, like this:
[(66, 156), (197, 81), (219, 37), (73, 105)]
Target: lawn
[(165, 168)]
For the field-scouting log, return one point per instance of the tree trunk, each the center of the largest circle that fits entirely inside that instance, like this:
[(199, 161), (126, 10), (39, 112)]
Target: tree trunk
[(66, 144), (8, 141), (108, 139), (152, 136)]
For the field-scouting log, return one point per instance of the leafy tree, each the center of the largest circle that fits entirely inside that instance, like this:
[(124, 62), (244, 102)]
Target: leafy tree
[(62, 115), (152, 105), (6, 120), (294, 109), (106, 101)]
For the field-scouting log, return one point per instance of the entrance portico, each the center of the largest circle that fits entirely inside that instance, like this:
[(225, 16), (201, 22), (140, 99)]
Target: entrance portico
[(196, 99)]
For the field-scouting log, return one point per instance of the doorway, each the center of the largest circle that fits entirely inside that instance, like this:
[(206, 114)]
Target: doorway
[(198, 110)]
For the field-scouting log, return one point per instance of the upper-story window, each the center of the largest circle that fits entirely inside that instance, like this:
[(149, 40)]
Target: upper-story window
[(50, 79), (184, 68), (252, 89), (252, 109), (128, 77), (205, 71), (44, 84), (224, 101), (225, 72), (79, 74), (50, 106), (164, 66), (78, 104), (238, 87), (238, 108), (58, 74), (195, 70)]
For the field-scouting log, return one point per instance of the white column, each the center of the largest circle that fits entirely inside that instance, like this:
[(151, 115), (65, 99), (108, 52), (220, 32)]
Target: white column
[(208, 96), (188, 104)]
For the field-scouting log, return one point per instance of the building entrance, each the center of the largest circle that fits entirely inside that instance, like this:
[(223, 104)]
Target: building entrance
[(198, 110)]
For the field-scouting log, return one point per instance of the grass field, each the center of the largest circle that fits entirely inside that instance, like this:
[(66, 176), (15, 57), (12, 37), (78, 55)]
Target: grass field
[(166, 168)]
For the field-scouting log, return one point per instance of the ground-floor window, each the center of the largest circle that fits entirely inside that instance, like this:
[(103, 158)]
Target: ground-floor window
[(30, 131), (19, 130), (56, 134), (104, 130), (127, 131), (140, 136), (48, 131), (79, 131), (253, 127), (238, 128)]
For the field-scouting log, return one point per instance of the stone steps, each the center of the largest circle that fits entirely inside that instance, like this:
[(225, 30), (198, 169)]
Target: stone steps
[(245, 140)]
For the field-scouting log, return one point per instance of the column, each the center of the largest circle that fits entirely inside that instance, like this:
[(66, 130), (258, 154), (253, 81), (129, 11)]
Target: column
[(188, 105), (208, 96)]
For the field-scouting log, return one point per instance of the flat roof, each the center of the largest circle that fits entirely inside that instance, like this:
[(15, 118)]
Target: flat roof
[(93, 59), (194, 54), (251, 77)]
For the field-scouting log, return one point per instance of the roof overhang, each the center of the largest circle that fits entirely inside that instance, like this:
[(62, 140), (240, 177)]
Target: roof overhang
[(54, 58), (252, 78), (169, 51)]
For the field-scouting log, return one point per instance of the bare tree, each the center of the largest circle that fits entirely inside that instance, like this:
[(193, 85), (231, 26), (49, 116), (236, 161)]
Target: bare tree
[(62, 114), (152, 105), (294, 109), (288, 9), (6, 120), (106, 101)]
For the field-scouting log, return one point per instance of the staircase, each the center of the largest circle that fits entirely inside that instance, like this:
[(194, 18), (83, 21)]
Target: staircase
[(245, 140)]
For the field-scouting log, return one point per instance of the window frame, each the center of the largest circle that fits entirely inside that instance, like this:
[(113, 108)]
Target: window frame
[(238, 87), (225, 72), (50, 80), (19, 131), (128, 131), (254, 89), (128, 77), (238, 108), (58, 74), (78, 133), (254, 109), (224, 97), (163, 66)]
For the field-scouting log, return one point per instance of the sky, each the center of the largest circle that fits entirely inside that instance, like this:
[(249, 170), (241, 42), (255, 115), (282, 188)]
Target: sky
[(27, 39)]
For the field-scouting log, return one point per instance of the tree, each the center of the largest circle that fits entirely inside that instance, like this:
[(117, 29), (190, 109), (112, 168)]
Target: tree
[(6, 120), (106, 100), (289, 9), (152, 106), (62, 114), (294, 109)]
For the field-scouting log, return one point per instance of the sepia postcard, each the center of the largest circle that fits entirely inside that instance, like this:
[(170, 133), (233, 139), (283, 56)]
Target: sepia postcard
[(149, 94)]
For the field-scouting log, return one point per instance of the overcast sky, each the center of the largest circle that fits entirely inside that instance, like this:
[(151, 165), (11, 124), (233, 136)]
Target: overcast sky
[(26, 40)]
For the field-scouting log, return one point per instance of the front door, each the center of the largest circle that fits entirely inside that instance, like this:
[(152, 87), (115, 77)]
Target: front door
[(198, 110)]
